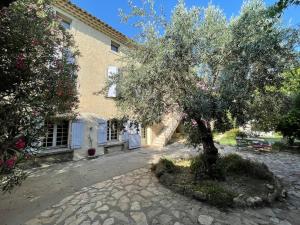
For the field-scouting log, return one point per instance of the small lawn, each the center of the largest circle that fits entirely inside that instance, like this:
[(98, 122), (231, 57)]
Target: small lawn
[(227, 138)]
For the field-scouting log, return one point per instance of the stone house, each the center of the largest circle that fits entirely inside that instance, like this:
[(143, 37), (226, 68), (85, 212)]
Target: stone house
[(100, 46)]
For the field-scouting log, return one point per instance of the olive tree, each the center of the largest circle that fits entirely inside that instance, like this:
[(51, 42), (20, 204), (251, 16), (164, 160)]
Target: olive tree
[(202, 65)]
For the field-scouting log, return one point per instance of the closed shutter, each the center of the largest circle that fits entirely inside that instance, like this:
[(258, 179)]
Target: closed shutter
[(112, 91), (102, 132), (77, 134)]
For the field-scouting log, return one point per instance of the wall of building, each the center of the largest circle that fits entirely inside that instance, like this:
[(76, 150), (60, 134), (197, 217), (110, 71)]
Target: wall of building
[(96, 56)]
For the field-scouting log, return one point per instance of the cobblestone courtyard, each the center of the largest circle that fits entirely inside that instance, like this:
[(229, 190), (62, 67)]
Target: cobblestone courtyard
[(137, 198)]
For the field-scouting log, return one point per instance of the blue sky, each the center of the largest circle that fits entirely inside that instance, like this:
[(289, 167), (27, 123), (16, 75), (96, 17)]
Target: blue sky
[(107, 10)]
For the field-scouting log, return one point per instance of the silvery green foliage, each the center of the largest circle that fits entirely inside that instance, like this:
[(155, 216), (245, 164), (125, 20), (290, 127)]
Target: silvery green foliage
[(200, 63), (259, 53)]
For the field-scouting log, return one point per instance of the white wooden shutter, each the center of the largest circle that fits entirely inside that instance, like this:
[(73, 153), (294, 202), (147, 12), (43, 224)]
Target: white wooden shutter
[(102, 132), (112, 71), (69, 55), (134, 141), (77, 130)]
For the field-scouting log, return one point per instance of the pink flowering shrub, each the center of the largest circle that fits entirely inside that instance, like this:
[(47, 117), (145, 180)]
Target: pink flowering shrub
[(20, 144), (30, 73), (10, 163)]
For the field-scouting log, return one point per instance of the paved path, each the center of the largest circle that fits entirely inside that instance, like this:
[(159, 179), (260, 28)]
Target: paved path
[(136, 197), (49, 185)]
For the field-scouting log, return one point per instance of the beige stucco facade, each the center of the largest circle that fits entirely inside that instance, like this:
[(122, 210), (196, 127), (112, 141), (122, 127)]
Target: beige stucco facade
[(95, 58), (93, 39)]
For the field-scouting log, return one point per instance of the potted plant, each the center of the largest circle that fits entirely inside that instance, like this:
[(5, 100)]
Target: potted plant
[(91, 151)]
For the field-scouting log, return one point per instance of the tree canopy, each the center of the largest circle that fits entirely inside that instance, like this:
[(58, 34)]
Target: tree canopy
[(203, 65)]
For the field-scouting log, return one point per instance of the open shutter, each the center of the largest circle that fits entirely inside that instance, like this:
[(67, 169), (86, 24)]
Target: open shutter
[(134, 141), (102, 132), (77, 134), (112, 71), (70, 57)]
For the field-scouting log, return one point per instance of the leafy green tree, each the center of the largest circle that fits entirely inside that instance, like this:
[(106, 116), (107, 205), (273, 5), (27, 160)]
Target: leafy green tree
[(281, 5), (289, 124), (38, 80), (203, 66)]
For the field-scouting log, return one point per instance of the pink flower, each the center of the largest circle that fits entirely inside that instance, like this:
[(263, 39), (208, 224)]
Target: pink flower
[(10, 163), (194, 123), (20, 144)]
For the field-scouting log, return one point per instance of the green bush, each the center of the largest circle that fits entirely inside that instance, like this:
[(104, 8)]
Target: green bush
[(200, 168), (163, 166), (235, 164), (289, 124), (216, 194), (278, 146), (197, 163)]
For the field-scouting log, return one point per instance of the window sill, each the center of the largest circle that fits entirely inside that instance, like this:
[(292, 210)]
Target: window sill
[(115, 53), (54, 151), (112, 143)]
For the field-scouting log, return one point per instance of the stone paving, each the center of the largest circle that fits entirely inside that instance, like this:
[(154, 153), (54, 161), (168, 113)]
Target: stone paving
[(137, 198)]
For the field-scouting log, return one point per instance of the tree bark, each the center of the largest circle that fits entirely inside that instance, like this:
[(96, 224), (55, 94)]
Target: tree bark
[(209, 149)]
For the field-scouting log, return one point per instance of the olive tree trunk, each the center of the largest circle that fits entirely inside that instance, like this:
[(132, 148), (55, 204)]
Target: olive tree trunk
[(210, 151)]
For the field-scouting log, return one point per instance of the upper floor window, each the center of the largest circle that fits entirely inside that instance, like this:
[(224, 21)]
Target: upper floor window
[(65, 21), (114, 46), (66, 24), (112, 90)]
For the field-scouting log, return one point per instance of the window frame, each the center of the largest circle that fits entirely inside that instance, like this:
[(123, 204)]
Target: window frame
[(115, 47), (65, 20), (55, 135), (143, 132), (110, 76), (110, 131)]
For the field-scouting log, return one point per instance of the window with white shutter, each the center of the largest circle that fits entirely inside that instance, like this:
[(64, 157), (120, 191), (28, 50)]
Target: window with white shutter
[(102, 132), (77, 134), (112, 71)]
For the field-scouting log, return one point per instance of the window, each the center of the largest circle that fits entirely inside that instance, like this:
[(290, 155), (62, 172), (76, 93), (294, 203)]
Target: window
[(112, 130), (66, 24), (56, 135), (114, 46), (65, 21), (144, 132), (112, 90)]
